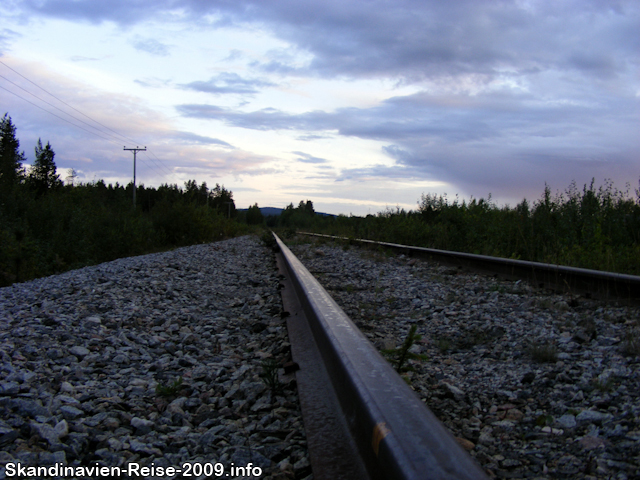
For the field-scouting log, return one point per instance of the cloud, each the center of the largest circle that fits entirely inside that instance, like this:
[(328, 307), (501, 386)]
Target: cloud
[(226, 83), (123, 120), (121, 12), (507, 94), (234, 54), (496, 140), (192, 138), (153, 82), (306, 158), (151, 45), (312, 137), (6, 38), (404, 39), (264, 119), (81, 58)]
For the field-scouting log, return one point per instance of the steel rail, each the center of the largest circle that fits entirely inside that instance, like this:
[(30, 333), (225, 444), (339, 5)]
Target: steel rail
[(592, 283), (396, 435)]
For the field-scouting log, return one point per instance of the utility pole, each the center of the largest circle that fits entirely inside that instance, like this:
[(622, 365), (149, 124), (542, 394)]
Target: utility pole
[(135, 150), (229, 203)]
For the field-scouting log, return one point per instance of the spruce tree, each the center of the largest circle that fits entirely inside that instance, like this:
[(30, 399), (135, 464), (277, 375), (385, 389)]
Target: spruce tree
[(11, 170), (222, 200), (254, 215), (43, 176)]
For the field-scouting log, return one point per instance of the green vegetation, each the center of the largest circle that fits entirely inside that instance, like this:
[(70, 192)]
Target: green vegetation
[(171, 389), (270, 377), (543, 352), (631, 342), (47, 227), (254, 215), (596, 228), (400, 356)]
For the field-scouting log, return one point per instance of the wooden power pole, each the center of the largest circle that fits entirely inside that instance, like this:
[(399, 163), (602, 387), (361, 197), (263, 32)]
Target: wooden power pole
[(135, 150)]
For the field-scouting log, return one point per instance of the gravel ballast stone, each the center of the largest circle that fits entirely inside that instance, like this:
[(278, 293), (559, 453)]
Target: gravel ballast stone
[(533, 384), (155, 359)]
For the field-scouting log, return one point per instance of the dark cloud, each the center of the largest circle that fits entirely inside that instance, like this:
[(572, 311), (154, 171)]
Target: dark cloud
[(427, 118), (226, 83), (407, 39), (513, 93), (122, 12), (485, 142)]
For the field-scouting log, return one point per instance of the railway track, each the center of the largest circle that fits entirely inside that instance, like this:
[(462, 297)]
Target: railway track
[(361, 418), (574, 415), (571, 280)]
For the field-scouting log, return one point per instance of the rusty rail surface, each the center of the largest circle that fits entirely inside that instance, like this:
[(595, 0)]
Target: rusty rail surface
[(395, 434), (592, 283)]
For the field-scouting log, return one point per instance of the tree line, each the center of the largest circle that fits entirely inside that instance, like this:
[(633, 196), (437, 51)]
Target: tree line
[(588, 227), (47, 227)]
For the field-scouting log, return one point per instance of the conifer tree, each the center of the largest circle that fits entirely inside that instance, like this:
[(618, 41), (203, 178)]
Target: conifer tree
[(222, 200), (42, 176), (11, 170), (254, 215)]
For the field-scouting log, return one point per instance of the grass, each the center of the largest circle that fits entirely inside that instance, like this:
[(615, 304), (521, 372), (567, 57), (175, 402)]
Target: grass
[(400, 356), (169, 390), (604, 385), (443, 344), (631, 342), (270, 377), (543, 352)]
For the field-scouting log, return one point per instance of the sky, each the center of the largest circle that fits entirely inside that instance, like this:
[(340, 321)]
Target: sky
[(359, 106)]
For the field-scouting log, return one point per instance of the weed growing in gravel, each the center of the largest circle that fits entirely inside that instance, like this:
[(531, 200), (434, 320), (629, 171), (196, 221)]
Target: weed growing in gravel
[(451, 297), (270, 378), (269, 240), (443, 344), (473, 337), (604, 385), (543, 352), (589, 326), (631, 343), (169, 390), (544, 303), (544, 420), (399, 356)]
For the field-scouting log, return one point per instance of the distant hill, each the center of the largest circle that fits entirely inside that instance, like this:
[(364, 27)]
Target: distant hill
[(273, 211)]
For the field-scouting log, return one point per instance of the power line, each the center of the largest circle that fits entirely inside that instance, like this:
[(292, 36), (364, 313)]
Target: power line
[(57, 116), (160, 166), (78, 126), (57, 108), (65, 103)]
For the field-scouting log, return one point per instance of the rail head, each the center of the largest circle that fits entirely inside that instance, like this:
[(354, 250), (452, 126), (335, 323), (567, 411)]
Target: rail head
[(397, 435), (599, 284)]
